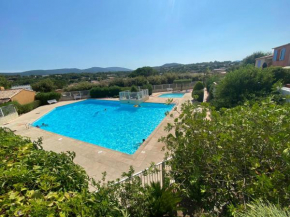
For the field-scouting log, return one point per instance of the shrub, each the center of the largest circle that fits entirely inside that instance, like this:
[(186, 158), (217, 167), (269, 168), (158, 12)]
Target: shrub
[(35, 182), (198, 95), (245, 83), (101, 92), (149, 87), (80, 86), (134, 89), (198, 86), (45, 85), (239, 155), (262, 209), (21, 109), (43, 97), (281, 74)]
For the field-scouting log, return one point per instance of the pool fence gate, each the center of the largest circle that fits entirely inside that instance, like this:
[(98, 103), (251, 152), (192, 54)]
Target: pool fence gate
[(136, 98), (7, 113), (74, 95), (156, 173)]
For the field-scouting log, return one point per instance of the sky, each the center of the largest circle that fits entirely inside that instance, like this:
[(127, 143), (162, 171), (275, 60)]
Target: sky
[(51, 34)]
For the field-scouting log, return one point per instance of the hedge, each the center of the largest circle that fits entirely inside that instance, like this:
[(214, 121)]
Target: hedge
[(198, 86), (43, 97), (22, 109), (149, 87), (199, 94), (101, 92)]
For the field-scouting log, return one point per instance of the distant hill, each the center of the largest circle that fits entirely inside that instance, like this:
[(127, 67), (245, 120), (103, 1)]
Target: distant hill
[(69, 70), (194, 67), (171, 65)]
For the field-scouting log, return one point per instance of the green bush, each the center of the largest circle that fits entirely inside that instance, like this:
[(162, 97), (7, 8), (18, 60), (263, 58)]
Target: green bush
[(35, 182), (45, 85), (21, 109), (80, 86), (245, 83), (198, 95), (43, 97), (102, 92), (134, 89), (198, 86), (149, 87), (239, 155), (281, 74), (262, 209)]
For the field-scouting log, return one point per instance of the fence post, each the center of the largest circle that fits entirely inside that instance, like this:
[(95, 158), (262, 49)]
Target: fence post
[(163, 173), (2, 112)]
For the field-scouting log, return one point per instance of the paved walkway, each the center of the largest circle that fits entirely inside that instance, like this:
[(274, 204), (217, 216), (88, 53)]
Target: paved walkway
[(95, 159)]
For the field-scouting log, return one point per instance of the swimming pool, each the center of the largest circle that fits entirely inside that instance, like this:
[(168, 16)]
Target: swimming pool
[(172, 95), (109, 124)]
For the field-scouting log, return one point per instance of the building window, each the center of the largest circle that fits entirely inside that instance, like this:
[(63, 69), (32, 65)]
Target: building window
[(282, 54), (275, 55)]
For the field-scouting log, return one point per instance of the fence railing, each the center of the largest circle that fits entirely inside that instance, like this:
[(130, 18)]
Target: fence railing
[(7, 110), (146, 177), (168, 87), (26, 87), (128, 95), (74, 95)]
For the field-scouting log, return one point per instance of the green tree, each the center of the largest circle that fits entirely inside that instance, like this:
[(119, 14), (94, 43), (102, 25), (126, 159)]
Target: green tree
[(134, 89), (231, 157), (198, 86), (45, 85), (144, 71), (251, 59), (4, 82)]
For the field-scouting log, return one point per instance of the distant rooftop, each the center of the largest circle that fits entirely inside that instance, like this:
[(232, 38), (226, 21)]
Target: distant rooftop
[(8, 94), (265, 57), (281, 46)]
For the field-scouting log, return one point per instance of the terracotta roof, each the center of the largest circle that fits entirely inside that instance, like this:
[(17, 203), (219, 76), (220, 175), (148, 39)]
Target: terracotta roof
[(265, 57), (8, 94), (281, 46)]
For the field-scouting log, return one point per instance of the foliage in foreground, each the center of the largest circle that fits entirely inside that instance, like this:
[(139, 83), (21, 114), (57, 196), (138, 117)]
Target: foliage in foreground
[(262, 209), (239, 155), (40, 183)]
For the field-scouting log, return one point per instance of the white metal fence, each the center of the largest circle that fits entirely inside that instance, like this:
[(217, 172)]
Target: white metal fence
[(140, 95), (74, 95), (167, 87), (157, 173), (7, 110)]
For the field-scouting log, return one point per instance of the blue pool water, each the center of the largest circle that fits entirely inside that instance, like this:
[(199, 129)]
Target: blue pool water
[(109, 124), (172, 95)]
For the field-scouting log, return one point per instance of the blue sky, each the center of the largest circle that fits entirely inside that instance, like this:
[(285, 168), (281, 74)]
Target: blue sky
[(49, 34)]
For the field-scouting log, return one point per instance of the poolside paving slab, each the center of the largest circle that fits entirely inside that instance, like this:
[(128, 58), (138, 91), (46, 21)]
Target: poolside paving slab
[(93, 158)]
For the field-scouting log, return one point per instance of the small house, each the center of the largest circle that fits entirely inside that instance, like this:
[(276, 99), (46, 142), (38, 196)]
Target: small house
[(22, 96), (264, 62), (281, 55)]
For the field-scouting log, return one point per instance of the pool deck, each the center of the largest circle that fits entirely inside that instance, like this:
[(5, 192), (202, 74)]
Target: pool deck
[(95, 159)]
